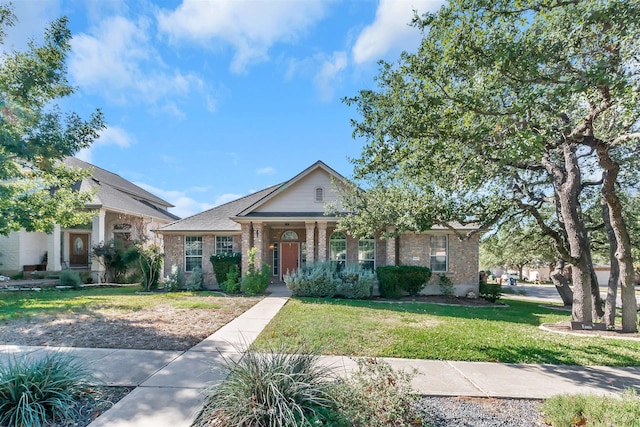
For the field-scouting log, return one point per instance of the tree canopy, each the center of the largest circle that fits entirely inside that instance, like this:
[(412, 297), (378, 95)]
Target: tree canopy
[(36, 189), (509, 107)]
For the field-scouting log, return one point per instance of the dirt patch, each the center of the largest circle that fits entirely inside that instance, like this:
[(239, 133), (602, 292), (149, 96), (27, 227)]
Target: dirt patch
[(565, 328), (160, 327)]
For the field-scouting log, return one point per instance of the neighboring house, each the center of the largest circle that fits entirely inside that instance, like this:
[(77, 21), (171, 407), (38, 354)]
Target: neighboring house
[(123, 211), (288, 226)]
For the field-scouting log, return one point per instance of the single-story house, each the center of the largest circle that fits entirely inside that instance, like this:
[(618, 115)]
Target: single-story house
[(123, 211), (288, 225)]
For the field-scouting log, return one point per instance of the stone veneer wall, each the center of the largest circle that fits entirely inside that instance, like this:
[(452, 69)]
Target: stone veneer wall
[(463, 261)]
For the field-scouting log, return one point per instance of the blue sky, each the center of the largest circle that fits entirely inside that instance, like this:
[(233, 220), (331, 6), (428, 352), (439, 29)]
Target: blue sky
[(207, 101)]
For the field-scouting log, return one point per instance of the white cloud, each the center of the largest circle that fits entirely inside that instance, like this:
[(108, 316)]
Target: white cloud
[(184, 205), (31, 25), (117, 59), (328, 76), (113, 135), (226, 198), (391, 32), (250, 27), (266, 171)]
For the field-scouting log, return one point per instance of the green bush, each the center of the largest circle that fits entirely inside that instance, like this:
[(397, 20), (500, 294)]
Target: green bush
[(150, 261), (70, 278), (490, 291), (232, 284), (174, 281), (594, 411), (39, 392), (316, 280), (272, 389), (395, 280), (377, 396), (255, 282), (195, 282), (222, 264), (446, 286), (355, 282), (117, 257)]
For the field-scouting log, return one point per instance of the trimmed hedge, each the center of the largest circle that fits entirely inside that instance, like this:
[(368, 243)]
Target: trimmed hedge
[(395, 280), (222, 264), (490, 291)]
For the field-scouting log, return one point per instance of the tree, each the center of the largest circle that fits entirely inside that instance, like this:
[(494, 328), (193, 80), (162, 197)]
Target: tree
[(36, 189), (507, 108)]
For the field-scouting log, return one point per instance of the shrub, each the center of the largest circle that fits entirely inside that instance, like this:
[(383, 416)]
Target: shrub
[(490, 291), (355, 282), (232, 284), (272, 389), (150, 261), (255, 282), (37, 392), (195, 282), (393, 280), (377, 396), (222, 264), (317, 280), (70, 278), (446, 287), (174, 281), (597, 411), (117, 257)]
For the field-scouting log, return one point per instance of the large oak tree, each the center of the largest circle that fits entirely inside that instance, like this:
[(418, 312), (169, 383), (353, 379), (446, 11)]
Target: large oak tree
[(508, 107)]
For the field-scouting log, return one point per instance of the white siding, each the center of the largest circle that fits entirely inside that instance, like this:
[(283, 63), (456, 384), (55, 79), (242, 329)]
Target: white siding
[(10, 250), (32, 247), (300, 197)]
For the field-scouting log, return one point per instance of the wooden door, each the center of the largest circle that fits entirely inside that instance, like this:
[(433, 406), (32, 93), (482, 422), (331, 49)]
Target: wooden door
[(79, 249), (290, 257)]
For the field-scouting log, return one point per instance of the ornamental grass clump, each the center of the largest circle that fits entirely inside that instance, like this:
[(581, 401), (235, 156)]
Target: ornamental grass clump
[(317, 280), (272, 389), (40, 392)]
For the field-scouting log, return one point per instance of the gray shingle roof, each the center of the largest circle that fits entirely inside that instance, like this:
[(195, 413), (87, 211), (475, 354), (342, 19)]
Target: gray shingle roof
[(218, 218), (115, 192)]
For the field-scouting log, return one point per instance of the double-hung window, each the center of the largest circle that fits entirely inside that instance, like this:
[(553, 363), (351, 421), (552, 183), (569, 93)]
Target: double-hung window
[(367, 253), (338, 249), (224, 245), (192, 252), (439, 253)]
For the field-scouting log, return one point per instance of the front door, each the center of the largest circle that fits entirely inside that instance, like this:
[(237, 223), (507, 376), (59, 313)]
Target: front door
[(290, 257), (78, 249)]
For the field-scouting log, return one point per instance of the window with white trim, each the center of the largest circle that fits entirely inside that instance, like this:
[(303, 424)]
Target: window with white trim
[(367, 253), (289, 235), (439, 253), (338, 249), (192, 252), (224, 245)]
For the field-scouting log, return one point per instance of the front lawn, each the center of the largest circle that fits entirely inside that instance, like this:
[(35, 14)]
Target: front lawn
[(429, 331)]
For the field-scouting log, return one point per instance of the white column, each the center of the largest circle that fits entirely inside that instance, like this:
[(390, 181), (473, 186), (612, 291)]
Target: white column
[(311, 234), (53, 249), (97, 237)]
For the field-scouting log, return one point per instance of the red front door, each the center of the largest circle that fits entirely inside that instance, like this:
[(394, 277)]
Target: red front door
[(290, 257)]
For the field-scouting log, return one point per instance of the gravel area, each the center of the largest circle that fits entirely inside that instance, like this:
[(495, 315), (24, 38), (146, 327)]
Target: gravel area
[(479, 412)]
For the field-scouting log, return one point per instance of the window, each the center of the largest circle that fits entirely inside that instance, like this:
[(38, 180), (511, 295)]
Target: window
[(192, 252), (367, 253), (319, 194), (289, 235), (338, 249), (122, 232), (439, 256), (224, 245), (276, 259)]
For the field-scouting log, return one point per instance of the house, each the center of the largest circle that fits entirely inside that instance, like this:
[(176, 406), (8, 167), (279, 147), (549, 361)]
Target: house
[(288, 226), (123, 211)]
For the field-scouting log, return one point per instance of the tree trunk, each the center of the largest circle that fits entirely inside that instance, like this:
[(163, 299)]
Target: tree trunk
[(598, 312), (561, 283), (623, 252), (614, 276)]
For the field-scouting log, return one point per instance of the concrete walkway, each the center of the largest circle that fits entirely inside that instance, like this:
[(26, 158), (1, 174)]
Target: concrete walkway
[(170, 384)]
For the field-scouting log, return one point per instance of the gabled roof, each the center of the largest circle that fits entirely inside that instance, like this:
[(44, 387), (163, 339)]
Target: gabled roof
[(219, 217), (283, 187), (116, 193)]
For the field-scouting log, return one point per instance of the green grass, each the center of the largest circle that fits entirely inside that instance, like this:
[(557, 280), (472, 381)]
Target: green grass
[(14, 305), (593, 411), (429, 331)]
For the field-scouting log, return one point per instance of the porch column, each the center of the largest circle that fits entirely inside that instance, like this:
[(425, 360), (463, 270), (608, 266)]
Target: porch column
[(53, 249), (258, 238), (390, 257), (245, 245), (311, 234), (97, 237), (322, 241)]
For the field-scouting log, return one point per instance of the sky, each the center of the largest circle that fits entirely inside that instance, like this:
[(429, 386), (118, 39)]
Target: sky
[(208, 101)]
